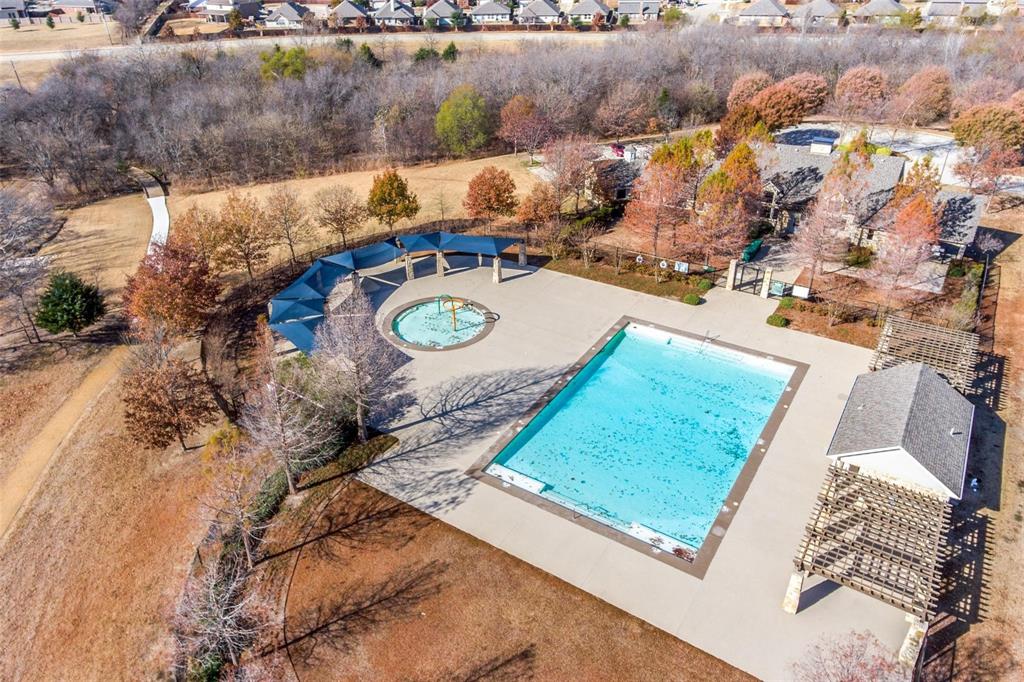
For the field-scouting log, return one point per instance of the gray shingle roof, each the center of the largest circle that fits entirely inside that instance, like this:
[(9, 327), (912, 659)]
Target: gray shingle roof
[(398, 11), (648, 8), (881, 8), (540, 8), (490, 8), (764, 8), (819, 9), (292, 11), (911, 407), (441, 10), (944, 9), (347, 9), (588, 7), (959, 217), (799, 174)]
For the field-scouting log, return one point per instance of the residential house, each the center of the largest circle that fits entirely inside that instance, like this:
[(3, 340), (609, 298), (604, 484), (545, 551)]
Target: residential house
[(763, 13), (12, 9), (793, 176), (584, 11), (491, 12), (540, 12), (952, 13), (395, 13), (906, 424), (444, 12), (73, 7), (880, 12), (217, 11), (290, 15), (348, 13), (818, 13), (639, 11)]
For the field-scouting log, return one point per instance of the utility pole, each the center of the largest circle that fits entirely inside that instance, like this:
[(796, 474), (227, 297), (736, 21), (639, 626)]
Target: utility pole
[(103, 20), (16, 76)]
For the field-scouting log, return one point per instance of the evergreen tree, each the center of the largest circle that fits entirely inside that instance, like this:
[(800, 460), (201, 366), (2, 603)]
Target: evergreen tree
[(69, 304)]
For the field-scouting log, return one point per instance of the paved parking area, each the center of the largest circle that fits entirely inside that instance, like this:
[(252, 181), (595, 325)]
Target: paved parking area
[(459, 401)]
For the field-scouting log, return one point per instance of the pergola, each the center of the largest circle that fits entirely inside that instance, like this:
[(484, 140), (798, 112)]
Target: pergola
[(950, 352), (879, 538)]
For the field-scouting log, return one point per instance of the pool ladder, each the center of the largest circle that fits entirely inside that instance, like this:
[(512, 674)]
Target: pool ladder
[(705, 340)]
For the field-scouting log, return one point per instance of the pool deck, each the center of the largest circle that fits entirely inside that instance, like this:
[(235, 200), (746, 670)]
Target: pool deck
[(465, 399)]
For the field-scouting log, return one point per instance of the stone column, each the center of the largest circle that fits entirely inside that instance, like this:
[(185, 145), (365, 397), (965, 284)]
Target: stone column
[(497, 270), (730, 279), (766, 283), (791, 604), (410, 273), (440, 264), (522, 254), (912, 642), (480, 260)]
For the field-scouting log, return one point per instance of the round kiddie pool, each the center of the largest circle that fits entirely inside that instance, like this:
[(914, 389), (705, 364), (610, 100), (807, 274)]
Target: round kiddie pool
[(439, 323)]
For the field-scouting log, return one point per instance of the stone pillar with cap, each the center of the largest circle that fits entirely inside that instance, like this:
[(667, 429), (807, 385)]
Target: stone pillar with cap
[(522, 254), (440, 264), (791, 604), (730, 279), (911, 648), (410, 273), (766, 283), (497, 270)]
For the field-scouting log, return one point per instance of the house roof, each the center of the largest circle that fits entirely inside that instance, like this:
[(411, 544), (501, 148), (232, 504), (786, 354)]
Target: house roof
[(944, 9), (650, 7), (910, 407), (292, 11), (540, 8), (881, 8), (960, 216), (764, 8), (347, 9), (798, 175), (588, 7), (443, 9), (490, 8), (395, 10), (818, 9)]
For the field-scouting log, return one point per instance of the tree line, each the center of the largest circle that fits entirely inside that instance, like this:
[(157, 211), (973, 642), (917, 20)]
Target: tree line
[(208, 118)]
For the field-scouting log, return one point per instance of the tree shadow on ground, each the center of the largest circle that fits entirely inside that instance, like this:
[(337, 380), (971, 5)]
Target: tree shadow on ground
[(23, 354), (514, 664), (357, 609)]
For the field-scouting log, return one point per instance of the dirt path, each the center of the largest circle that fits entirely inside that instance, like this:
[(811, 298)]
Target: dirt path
[(24, 478)]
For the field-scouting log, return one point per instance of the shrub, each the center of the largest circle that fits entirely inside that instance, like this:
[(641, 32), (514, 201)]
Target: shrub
[(777, 320), (344, 44), (69, 304), (270, 496), (705, 284), (956, 269), (859, 256), (787, 302), (205, 670), (692, 299)]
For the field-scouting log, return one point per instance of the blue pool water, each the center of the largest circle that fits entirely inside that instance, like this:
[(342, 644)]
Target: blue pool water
[(653, 431), (430, 324)]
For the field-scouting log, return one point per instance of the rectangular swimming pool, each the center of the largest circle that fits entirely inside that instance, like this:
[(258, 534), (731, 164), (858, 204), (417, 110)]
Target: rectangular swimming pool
[(649, 436)]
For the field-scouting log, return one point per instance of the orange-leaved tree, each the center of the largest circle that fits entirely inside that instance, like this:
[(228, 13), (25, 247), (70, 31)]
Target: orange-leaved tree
[(491, 193), (390, 199), (906, 245), (173, 288)]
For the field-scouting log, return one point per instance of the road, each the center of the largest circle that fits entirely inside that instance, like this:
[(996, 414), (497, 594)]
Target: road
[(461, 39)]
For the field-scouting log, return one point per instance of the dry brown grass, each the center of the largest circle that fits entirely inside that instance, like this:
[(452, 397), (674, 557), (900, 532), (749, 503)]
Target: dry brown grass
[(30, 73), (70, 36), (187, 27), (91, 572), (467, 611), (429, 181)]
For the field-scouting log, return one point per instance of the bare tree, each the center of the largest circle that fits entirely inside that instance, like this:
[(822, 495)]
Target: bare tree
[(570, 160), (217, 618), (353, 361), (25, 221), (288, 220), (340, 211), (854, 657), (236, 470), (132, 15)]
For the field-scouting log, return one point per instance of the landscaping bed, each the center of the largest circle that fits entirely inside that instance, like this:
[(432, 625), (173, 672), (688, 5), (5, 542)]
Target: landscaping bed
[(674, 286)]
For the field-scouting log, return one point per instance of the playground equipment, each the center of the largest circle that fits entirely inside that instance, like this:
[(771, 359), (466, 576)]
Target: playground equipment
[(446, 302)]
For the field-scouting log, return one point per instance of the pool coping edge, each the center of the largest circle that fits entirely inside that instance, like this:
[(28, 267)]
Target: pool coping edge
[(698, 566)]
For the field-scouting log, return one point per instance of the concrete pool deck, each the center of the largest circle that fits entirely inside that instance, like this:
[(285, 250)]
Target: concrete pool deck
[(462, 400)]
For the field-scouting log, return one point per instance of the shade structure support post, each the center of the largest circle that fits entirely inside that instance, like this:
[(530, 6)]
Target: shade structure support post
[(791, 604), (440, 264), (912, 643), (522, 254), (410, 272), (497, 270), (480, 260)]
